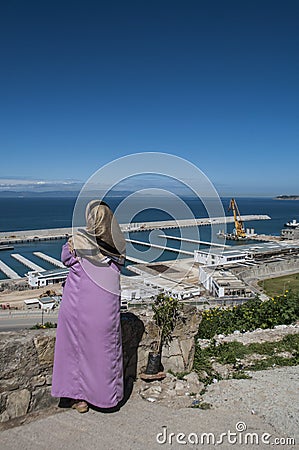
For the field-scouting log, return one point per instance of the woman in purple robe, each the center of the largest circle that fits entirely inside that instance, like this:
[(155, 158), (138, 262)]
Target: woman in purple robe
[(88, 366)]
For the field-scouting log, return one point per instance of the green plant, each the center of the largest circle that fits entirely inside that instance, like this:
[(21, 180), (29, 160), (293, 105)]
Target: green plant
[(38, 326), (201, 405), (178, 375), (282, 309), (166, 313), (240, 375), (234, 352)]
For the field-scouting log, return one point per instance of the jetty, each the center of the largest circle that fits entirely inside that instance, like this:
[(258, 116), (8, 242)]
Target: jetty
[(135, 260), (8, 271), (181, 223), (162, 247), (18, 237), (193, 241), (27, 262), (49, 259)]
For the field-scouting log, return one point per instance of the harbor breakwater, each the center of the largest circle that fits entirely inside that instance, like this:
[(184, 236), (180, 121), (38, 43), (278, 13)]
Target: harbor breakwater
[(14, 237)]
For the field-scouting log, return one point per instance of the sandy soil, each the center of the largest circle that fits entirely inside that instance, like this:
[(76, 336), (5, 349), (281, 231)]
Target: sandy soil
[(16, 298)]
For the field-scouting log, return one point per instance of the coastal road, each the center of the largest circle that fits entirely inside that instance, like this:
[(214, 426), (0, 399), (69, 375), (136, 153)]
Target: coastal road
[(18, 320)]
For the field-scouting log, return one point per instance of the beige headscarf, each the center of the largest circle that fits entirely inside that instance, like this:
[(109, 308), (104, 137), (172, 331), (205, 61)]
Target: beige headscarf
[(102, 236)]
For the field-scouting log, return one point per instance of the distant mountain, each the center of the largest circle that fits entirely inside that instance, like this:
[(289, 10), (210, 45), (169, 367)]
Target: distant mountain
[(61, 194), (30, 194), (287, 197)]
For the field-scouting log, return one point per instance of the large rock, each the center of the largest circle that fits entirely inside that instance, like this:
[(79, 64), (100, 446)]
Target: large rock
[(178, 355), (41, 398), (17, 403), (18, 359), (45, 349)]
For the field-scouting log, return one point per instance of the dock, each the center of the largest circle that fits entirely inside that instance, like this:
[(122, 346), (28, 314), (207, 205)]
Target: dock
[(162, 247), (19, 237), (135, 260), (6, 247), (193, 241), (27, 262), (49, 259), (8, 271), (181, 223)]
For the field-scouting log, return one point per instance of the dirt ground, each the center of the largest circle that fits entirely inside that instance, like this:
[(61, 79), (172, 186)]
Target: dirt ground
[(16, 298)]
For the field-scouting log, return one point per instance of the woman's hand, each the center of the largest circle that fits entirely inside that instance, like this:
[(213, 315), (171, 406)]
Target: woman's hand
[(71, 245)]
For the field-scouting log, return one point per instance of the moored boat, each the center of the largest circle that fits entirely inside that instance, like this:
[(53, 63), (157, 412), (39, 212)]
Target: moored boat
[(292, 224)]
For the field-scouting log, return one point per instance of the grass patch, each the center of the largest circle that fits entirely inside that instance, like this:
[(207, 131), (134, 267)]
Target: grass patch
[(279, 310), (240, 375), (178, 375), (278, 286), (39, 326), (234, 352), (201, 405)]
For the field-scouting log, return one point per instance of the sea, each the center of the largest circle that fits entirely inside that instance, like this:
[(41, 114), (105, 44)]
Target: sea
[(25, 213)]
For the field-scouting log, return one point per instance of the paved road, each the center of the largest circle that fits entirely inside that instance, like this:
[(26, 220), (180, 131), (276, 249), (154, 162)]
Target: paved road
[(17, 320)]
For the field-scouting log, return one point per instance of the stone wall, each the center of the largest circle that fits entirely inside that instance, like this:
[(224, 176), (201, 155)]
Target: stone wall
[(26, 359), (270, 269)]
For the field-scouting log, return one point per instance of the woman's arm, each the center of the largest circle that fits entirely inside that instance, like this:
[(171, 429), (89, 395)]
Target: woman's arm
[(68, 258)]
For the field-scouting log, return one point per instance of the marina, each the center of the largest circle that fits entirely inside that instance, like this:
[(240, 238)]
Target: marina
[(177, 276), (49, 259), (26, 262), (8, 271)]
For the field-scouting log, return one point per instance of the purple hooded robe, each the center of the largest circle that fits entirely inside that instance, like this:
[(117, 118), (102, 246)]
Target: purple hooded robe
[(88, 352)]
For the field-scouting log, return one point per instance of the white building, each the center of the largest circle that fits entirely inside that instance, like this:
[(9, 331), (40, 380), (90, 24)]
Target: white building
[(219, 256), (43, 278), (221, 282), (46, 303)]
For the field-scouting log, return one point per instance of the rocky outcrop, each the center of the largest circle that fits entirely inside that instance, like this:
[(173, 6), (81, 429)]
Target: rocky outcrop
[(178, 355), (26, 359)]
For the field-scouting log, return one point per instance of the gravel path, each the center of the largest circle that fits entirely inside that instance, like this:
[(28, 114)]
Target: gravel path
[(272, 395)]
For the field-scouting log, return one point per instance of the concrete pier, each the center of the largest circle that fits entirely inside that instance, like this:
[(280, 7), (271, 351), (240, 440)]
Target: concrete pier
[(49, 259), (147, 244), (8, 271), (135, 260), (20, 237), (193, 241), (181, 223), (17, 237), (27, 262)]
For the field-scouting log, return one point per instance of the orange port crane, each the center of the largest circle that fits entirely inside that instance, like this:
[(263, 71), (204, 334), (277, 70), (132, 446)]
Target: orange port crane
[(239, 229)]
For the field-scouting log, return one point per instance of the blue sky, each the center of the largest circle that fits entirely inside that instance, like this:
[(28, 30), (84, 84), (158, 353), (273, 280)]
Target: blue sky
[(215, 82)]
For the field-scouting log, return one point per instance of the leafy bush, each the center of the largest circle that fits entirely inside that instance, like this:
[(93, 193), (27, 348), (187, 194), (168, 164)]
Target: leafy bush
[(166, 313), (279, 310), (46, 325), (234, 353)]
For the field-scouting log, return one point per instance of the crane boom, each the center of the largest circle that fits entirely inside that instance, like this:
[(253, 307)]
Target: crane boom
[(240, 231)]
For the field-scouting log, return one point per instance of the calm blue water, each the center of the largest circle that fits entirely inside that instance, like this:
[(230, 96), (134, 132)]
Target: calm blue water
[(39, 213)]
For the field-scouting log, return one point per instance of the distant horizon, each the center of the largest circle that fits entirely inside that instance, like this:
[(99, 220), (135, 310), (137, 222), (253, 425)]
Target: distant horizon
[(74, 194), (34, 187)]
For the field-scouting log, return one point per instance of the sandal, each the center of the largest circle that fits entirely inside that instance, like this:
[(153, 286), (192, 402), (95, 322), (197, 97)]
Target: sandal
[(81, 406)]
